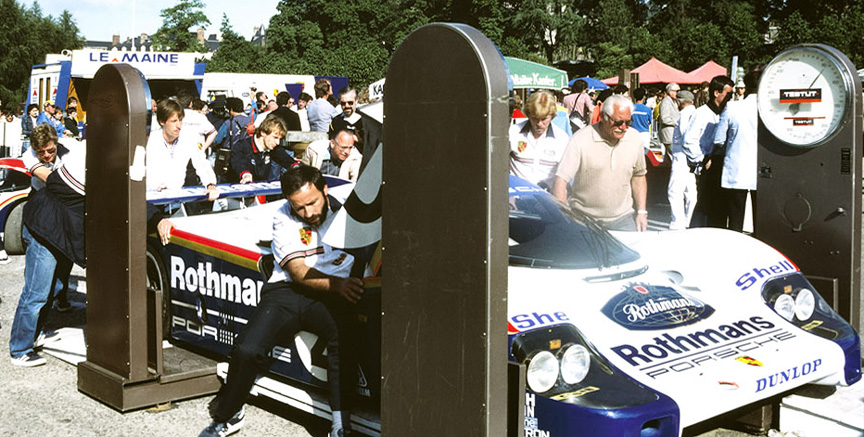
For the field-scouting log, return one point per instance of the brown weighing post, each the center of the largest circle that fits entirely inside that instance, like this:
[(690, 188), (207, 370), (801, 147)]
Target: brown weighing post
[(127, 367)]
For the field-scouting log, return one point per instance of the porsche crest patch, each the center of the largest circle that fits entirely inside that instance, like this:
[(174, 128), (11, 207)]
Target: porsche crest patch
[(522, 146), (305, 235)]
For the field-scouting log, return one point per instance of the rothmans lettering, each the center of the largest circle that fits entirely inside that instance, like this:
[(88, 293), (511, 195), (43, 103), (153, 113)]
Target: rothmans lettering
[(208, 282), (666, 344)]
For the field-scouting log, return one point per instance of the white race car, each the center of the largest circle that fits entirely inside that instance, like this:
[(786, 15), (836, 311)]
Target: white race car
[(625, 334)]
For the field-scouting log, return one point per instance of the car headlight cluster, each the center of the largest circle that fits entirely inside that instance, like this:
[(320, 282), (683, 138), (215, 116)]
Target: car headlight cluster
[(571, 364), (560, 364), (798, 304)]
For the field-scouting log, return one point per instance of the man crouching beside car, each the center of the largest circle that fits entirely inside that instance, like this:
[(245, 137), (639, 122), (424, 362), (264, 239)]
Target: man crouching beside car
[(308, 290)]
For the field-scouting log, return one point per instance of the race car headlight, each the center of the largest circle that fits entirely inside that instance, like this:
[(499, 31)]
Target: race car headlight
[(805, 304), (542, 371), (575, 363), (784, 305)]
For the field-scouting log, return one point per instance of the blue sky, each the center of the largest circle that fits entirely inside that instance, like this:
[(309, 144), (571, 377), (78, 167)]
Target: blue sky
[(98, 20)]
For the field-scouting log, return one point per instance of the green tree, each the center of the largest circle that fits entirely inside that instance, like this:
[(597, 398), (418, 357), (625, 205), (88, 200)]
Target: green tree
[(548, 26), (26, 36), (175, 34), (839, 26), (236, 54)]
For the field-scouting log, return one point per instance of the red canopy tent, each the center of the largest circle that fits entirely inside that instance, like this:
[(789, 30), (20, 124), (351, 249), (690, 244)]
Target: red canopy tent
[(707, 72), (655, 71)]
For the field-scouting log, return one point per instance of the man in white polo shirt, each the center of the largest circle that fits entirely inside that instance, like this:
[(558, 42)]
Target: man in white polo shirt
[(168, 154)]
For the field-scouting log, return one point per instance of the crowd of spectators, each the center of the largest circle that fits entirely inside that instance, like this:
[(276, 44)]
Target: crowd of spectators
[(600, 171)]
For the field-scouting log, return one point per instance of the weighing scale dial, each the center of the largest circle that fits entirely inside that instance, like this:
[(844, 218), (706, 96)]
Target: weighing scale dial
[(804, 94)]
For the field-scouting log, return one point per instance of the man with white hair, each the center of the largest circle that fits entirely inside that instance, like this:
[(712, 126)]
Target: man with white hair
[(606, 165), (669, 116)]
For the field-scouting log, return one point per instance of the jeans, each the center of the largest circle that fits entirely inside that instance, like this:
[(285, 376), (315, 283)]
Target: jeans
[(39, 265)]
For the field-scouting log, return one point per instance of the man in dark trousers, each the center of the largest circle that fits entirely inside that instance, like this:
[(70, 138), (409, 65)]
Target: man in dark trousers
[(310, 289)]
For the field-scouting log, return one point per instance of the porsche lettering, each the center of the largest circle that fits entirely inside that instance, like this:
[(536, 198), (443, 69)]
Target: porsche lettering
[(688, 362)]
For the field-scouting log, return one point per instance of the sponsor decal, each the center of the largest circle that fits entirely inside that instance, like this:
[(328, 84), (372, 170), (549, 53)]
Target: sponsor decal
[(645, 307), (131, 57), (521, 322), (362, 383), (305, 235), (532, 425), (669, 354), (749, 361), (812, 325), (521, 146), (207, 282), (338, 261), (751, 277), (575, 394), (787, 375), (804, 95)]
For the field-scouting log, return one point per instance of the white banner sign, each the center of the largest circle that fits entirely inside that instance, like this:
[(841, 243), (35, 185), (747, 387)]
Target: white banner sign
[(153, 65)]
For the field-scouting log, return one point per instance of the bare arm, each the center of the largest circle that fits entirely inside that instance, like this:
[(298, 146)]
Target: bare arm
[(559, 189), (42, 172), (639, 186), (351, 289), (208, 140)]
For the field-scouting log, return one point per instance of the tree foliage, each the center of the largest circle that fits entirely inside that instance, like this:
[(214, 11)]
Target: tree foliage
[(177, 33), (357, 38), (26, 36)]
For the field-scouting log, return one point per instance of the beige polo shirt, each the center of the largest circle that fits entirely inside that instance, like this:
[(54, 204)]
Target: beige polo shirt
[(601, 172)]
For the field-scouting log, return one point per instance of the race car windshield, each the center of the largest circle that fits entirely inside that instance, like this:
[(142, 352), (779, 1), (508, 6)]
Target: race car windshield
[(545, 233), (11, 180)]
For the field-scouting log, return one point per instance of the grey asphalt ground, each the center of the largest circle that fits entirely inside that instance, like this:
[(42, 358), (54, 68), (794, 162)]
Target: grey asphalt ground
[(45, 402)]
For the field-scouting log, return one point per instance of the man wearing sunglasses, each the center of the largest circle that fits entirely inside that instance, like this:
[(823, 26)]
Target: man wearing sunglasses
[(604, 166), (349, 118)]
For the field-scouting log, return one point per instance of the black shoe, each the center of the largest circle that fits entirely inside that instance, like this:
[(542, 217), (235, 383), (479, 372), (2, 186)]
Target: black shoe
[(222, 429), (62, 303)]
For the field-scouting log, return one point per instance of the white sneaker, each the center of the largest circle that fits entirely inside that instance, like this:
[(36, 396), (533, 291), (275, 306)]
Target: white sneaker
[(29, 360), (45, 338), (4, 258)]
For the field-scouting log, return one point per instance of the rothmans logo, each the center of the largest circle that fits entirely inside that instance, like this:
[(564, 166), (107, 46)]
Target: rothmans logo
[(644, 307)]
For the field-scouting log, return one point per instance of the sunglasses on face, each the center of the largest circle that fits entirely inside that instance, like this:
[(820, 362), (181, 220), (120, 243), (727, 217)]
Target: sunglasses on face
[(347, 103), (618, 123)]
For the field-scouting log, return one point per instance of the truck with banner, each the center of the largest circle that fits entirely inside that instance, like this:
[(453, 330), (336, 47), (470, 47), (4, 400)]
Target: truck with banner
[(69, 74)]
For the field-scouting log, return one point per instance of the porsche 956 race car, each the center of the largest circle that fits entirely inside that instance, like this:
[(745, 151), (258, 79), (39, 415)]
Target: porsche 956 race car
[(624, 334)]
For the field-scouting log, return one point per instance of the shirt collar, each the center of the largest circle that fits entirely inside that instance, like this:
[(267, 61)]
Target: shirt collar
[(526, 129)]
